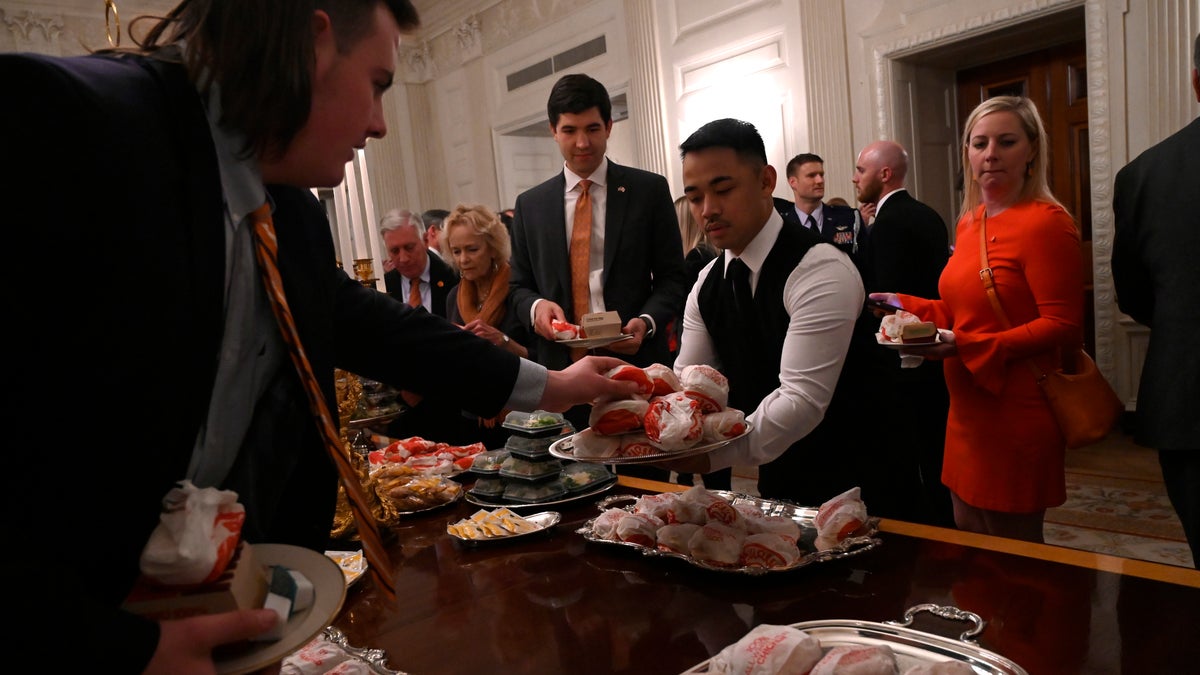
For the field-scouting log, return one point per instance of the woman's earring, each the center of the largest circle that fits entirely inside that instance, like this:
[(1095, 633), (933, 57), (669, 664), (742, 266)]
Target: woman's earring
[(1029, 169), (495, 266)]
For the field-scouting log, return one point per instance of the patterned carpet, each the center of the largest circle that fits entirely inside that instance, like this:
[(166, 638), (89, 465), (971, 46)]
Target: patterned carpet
[(1126, 517)]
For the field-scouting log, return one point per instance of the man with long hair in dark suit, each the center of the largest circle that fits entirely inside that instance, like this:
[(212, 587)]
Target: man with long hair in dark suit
[(150, 163)]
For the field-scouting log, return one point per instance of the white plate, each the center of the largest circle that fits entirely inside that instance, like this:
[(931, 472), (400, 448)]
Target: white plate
[(329, 585), (564, 448), (937, 340), (589, 343), (353, 564), (543, 521)]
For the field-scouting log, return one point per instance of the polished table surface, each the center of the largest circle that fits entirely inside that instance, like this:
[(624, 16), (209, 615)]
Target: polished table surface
[(556, 603)]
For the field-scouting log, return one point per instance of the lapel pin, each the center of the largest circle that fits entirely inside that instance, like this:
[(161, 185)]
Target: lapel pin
[(441, 283), (621, 188)]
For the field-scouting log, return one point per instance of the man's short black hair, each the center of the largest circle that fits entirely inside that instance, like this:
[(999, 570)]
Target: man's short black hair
[(575, 94), (741, 137)]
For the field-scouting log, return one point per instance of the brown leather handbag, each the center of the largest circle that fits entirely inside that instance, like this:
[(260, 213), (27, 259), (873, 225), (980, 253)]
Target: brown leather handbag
[(1083, 403)]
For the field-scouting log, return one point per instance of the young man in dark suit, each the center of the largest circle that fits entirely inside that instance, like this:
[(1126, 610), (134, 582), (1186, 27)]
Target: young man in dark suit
[(1156, 274), (908, 245), (171, 343), (839, 225), (634, 255)]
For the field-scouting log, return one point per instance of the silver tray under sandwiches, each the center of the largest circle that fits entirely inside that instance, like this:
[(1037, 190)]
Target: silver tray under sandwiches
[(911, 647), (564, 448), (861, 542)]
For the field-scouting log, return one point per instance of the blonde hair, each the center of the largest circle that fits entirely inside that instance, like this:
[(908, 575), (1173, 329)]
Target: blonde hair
[(482, 221), (689, 230), (1036, 186)]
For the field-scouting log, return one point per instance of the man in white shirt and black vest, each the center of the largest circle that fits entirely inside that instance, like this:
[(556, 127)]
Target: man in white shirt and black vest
[(774, 313)]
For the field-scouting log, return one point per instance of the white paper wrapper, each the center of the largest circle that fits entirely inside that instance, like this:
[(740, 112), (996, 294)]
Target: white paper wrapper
[(857, 660), (196, 535), (767, 650), (838, 515)]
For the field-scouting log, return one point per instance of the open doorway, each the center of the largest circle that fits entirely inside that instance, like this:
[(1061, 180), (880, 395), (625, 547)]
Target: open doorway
[(1044, 59)]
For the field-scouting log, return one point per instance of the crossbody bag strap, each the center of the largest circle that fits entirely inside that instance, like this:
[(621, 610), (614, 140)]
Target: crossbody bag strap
[(989, 285)]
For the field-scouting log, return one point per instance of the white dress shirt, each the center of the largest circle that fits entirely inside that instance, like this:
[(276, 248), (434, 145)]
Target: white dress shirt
[(823, 297)]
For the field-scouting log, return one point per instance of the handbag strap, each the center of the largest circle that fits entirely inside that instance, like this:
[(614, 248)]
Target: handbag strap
[(989, 286)]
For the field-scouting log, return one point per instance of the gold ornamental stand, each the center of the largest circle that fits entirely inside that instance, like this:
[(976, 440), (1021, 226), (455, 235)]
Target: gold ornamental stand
[(364, 271)]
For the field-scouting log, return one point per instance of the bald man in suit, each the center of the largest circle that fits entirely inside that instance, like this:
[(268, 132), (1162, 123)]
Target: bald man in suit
[(906, 247)]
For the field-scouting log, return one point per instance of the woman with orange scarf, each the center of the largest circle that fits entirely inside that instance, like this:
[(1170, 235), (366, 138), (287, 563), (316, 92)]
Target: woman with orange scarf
[(476, 243)]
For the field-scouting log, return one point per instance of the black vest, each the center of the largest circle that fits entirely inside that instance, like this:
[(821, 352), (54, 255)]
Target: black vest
[(750, 347)]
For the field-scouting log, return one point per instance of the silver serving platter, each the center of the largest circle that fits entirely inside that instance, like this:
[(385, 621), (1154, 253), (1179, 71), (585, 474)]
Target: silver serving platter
[(570, 498), (375, 660), (803, 516), (544, 521), (564, 448), (433, 507), (912, 647)]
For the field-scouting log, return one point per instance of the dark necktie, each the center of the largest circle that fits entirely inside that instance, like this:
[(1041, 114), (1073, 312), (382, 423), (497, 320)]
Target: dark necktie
[(812, 224), (266, 250), (738, 275)]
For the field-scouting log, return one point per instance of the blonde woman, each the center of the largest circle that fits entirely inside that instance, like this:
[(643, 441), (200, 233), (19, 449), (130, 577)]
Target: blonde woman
[(1004, 452), (476, 245)]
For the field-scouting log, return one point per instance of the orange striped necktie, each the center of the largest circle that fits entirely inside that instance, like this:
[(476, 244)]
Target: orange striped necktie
[(266, 249), (414, 292), (581, 253)]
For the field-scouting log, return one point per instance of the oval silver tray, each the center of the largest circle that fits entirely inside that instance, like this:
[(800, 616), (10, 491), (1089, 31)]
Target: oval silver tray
[(375, 660), (564, 448), (432, 507), (912, 647), (573, 497), (803, 516), (544, 521)]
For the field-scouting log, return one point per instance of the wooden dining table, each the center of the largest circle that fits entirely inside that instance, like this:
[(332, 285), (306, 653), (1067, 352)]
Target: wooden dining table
[(558, 603)]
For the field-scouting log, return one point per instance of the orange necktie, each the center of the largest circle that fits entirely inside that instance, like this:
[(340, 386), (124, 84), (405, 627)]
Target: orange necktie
[(581, 253), (414, 292), (266, 250)]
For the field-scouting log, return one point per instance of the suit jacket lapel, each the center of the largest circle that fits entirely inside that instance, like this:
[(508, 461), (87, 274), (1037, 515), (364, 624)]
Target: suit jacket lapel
[(203, 190), (614, 213), (556, 234)]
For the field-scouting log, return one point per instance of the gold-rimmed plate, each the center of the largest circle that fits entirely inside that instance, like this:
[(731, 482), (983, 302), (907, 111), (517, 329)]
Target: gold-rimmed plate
[(593, 342), (329, 586)]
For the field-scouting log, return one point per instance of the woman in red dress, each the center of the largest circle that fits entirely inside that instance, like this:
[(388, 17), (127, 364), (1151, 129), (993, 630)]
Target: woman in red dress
[(1004, 451)]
